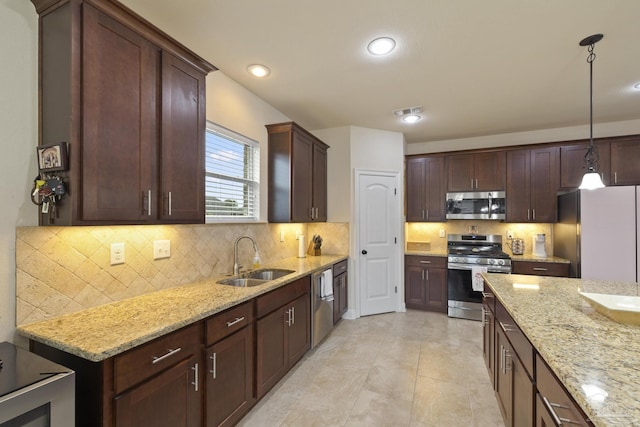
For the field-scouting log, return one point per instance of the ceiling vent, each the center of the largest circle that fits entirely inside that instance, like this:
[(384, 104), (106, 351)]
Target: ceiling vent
[(405, 111)]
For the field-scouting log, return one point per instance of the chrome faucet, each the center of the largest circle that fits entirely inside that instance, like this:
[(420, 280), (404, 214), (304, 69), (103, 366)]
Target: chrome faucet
[(236, 267)]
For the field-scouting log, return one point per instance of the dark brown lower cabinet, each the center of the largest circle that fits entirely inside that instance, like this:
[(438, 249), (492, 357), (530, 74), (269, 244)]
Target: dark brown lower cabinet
[(426, 283), (489, 335), (536, 268), (553, 403), (171, 399), (283, 335), (339, 290), (229, 359), (514, 388)]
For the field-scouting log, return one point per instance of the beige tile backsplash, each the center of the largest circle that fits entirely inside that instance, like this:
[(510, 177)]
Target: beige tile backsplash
[(65, 269)]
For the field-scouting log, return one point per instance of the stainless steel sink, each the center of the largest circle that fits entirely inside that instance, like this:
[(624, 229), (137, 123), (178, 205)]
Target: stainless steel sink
[(242, 281), (268, 273)]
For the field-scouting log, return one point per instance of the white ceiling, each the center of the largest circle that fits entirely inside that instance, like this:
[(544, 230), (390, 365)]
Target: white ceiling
[(477, 67)]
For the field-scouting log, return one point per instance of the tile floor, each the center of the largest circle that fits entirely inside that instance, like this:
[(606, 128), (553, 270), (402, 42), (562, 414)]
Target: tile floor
[(414, 369)]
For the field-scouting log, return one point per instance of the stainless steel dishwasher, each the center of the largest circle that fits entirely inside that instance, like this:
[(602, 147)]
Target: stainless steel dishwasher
[(321, 305)]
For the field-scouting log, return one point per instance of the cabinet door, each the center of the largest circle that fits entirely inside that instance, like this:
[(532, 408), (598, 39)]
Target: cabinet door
[(229, 378), (416, 193), (319, 183), (415, 290), (183, 138), (503, 385), (489, 171), (436, 292), (171, 399), (344, 290), (271, 358), (435, 191), (518, 186), (523, 393), (460, 172), (119, 85), (301, 178), (299, 329), (488, 341), (340, 296), (544, 184), (625, 158)]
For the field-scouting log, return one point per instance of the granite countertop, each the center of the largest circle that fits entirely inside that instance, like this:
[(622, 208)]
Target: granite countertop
[(101, 332), (531, 258), (426, 253), (595, 357)]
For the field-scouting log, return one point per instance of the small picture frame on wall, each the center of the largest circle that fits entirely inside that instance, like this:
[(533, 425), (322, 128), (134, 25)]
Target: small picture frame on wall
[(52, 157)]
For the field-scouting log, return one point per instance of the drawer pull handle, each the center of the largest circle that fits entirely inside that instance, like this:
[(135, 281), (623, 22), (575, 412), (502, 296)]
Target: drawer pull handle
[(487, 295), (171, 352), (425, 262), (507, 327), (540, 269), (551, 408), (238, 320)]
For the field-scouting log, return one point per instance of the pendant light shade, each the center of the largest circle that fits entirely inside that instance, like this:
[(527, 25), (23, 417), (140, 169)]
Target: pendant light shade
[(591, 179)]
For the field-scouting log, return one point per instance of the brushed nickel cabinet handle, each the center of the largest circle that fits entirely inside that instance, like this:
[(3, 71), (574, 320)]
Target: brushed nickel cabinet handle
[(195, 377), (425, 262), (169, 203), (540, 269), (170, 353), (149, 203), (238, 320), (214, 369), (551, 408)]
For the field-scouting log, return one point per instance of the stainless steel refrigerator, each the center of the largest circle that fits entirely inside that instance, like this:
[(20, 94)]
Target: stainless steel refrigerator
[(598, 232)]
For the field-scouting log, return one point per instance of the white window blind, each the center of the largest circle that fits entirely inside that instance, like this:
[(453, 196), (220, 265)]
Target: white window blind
[(232, 182)]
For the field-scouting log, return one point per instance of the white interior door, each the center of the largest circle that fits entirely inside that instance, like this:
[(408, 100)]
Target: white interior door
[(378, 242)]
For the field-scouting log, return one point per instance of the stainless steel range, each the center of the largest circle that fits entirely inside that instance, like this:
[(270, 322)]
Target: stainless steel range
[(469, 255)]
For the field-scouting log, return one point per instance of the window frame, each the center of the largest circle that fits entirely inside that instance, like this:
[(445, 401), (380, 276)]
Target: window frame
[(238, 138)]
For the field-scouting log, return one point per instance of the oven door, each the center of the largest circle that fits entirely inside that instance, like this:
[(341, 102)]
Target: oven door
[(463, 301)]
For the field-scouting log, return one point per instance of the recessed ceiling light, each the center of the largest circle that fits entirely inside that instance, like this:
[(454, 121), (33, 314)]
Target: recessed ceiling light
[(259, 70), (636, 86), (381, 46), (411, 118)]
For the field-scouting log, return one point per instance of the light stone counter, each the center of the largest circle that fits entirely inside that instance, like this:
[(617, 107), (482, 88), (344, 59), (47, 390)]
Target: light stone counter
[(531, 258), (101, 332), (596, 358)]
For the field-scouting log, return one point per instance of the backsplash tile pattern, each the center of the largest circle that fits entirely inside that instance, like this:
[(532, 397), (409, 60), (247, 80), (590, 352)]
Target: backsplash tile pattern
[(65, 269)]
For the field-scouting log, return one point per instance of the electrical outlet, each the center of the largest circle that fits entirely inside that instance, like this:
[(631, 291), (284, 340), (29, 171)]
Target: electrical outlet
[(282, 235), (117, 253), (161, 249), (442, 233), (509, 234)]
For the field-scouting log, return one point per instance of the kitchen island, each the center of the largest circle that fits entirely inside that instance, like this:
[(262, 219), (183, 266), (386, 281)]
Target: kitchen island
[(594, 357)]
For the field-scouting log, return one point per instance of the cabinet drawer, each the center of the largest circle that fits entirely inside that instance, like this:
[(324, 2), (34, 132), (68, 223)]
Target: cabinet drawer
[(229, 321), (339, 268), (426, 261), (142, 362), (518, 340), (488, 298), (553, 397), (266, 303), (555, 269)]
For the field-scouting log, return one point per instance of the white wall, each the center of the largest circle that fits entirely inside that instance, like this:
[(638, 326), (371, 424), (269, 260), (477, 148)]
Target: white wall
[(19, 125), (601, 130), (232, 106)]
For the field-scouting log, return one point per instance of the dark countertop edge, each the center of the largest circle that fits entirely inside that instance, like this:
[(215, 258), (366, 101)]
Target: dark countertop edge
[(24, 331)]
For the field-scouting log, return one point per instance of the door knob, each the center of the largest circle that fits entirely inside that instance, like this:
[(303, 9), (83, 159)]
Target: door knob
[(364, 252)]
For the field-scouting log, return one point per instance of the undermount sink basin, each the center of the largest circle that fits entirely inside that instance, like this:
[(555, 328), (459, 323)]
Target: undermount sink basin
[(242, 282), (268, 273), (255, 278)]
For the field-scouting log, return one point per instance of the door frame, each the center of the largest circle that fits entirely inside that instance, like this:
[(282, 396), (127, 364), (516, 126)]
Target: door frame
[(355, 239)]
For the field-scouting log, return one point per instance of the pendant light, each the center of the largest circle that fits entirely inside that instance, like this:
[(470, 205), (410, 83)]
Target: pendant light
[(591, 179)]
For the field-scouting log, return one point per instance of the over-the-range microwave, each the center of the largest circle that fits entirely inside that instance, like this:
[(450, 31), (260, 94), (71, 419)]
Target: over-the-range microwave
[(476, 205)]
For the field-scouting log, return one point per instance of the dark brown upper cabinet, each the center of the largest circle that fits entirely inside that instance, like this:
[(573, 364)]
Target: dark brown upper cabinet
[(425, 189), (625, 161), (297, 184), (572, 165), (482, 171), (130, 103), (532, 184)]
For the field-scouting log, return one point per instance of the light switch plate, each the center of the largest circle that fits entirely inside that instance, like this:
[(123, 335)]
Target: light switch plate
[(161, 249), (117, 253)]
